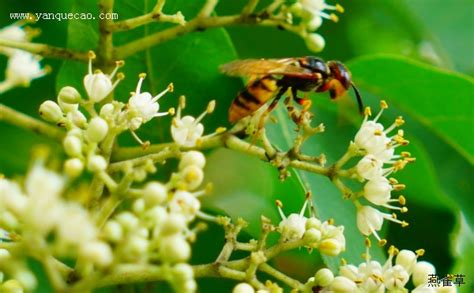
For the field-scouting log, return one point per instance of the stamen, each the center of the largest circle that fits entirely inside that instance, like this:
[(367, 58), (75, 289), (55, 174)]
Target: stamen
[(142, 76), (91, 56), (367, 112), (279, 206), (339, 8), (118, 64), (402, 200), (303, 209), (158, 96), (420, 252), (211, 106)]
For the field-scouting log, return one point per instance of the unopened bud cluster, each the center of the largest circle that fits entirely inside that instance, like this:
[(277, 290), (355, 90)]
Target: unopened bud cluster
[(372, 276)]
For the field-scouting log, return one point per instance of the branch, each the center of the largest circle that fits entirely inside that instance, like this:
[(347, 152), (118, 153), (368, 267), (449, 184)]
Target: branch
[(46, 50), (19, 119), (197, 24)]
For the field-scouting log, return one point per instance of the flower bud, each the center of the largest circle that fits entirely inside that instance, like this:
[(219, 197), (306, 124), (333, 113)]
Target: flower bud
[(72, 146), (421, 272), (173, 224), (138, 206), (243, 288), (192, 158), (331, 247), (406, 258), (66, 107), (98, 253), (315, 42), (50, 111), (26, 278), (78, 118), (155, 216), (112, 231), (107, 110), (11, 286), (343, 285), (69, 95), (97, 130), (96, 163), (183, 272), (154, 193), (314, 23), (137, 246), (324, 277), (192, 176), (73, 167), (313, 223), (128, 221), (293, 227), (175, 249), (312, 235)]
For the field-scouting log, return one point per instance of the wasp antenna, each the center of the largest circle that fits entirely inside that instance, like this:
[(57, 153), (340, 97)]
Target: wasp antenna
[(359, 99)]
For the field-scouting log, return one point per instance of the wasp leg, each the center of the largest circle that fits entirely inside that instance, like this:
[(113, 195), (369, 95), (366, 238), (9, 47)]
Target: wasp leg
[(305, 102)]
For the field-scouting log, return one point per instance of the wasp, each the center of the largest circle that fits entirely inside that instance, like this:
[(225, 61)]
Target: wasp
[(271, 78)]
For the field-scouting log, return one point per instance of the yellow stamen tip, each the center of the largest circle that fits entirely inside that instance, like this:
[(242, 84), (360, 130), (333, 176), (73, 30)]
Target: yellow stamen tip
[(171, 87), (97, 71), (220, 130), (119, 63), (367, 242), (91, 54), (378, 132), (339, 8), (405, 154), (331, 221), (367, 111), (334, 17), (47, 69), (120, 75), (382, 242), (142, 75), (383, 104), (171, 111), (211, 106), (182, 102), (402, 200), (420, 252), (404, 210), (399, 121), (279, 203), (404, 224)]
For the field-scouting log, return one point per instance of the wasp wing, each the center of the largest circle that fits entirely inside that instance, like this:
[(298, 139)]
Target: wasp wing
[(249, 67)]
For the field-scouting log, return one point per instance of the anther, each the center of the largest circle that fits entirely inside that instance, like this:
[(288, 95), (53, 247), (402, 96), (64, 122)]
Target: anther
[(383, 104)]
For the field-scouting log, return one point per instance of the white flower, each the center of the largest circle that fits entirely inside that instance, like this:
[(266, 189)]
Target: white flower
[(16, 33), (395, 277), (185, 203), (75, 227), (143, 105), (370, 220), (187, 130), (22, 68), (315, 42), (421, 272), (98, 253), (174, 249), (343, 285), (313, 11), (43, 188), (293, 226), (378, 190), (369, 167), (99, 85)]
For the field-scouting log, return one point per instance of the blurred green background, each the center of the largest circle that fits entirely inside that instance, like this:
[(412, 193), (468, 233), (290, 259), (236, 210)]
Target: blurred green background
[(416, 54)]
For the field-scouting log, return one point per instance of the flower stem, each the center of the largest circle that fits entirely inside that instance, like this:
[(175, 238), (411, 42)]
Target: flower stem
[(295, 284), (46, 50), (19, 119)]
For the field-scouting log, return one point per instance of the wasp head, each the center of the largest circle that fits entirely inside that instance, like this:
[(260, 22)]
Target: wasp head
[(339, 82)]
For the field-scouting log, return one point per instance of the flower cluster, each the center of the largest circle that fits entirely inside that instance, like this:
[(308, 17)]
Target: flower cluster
[(23, 209), (372, 276), (311, 14), (323, 236), (22, 67), (378, 162)]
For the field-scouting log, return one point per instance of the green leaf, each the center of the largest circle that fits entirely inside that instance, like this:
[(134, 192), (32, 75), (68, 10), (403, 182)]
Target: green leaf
[(463, 248), (440, 100)]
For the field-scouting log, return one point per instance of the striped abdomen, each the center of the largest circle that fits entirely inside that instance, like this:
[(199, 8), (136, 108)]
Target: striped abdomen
[(257, 93)]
